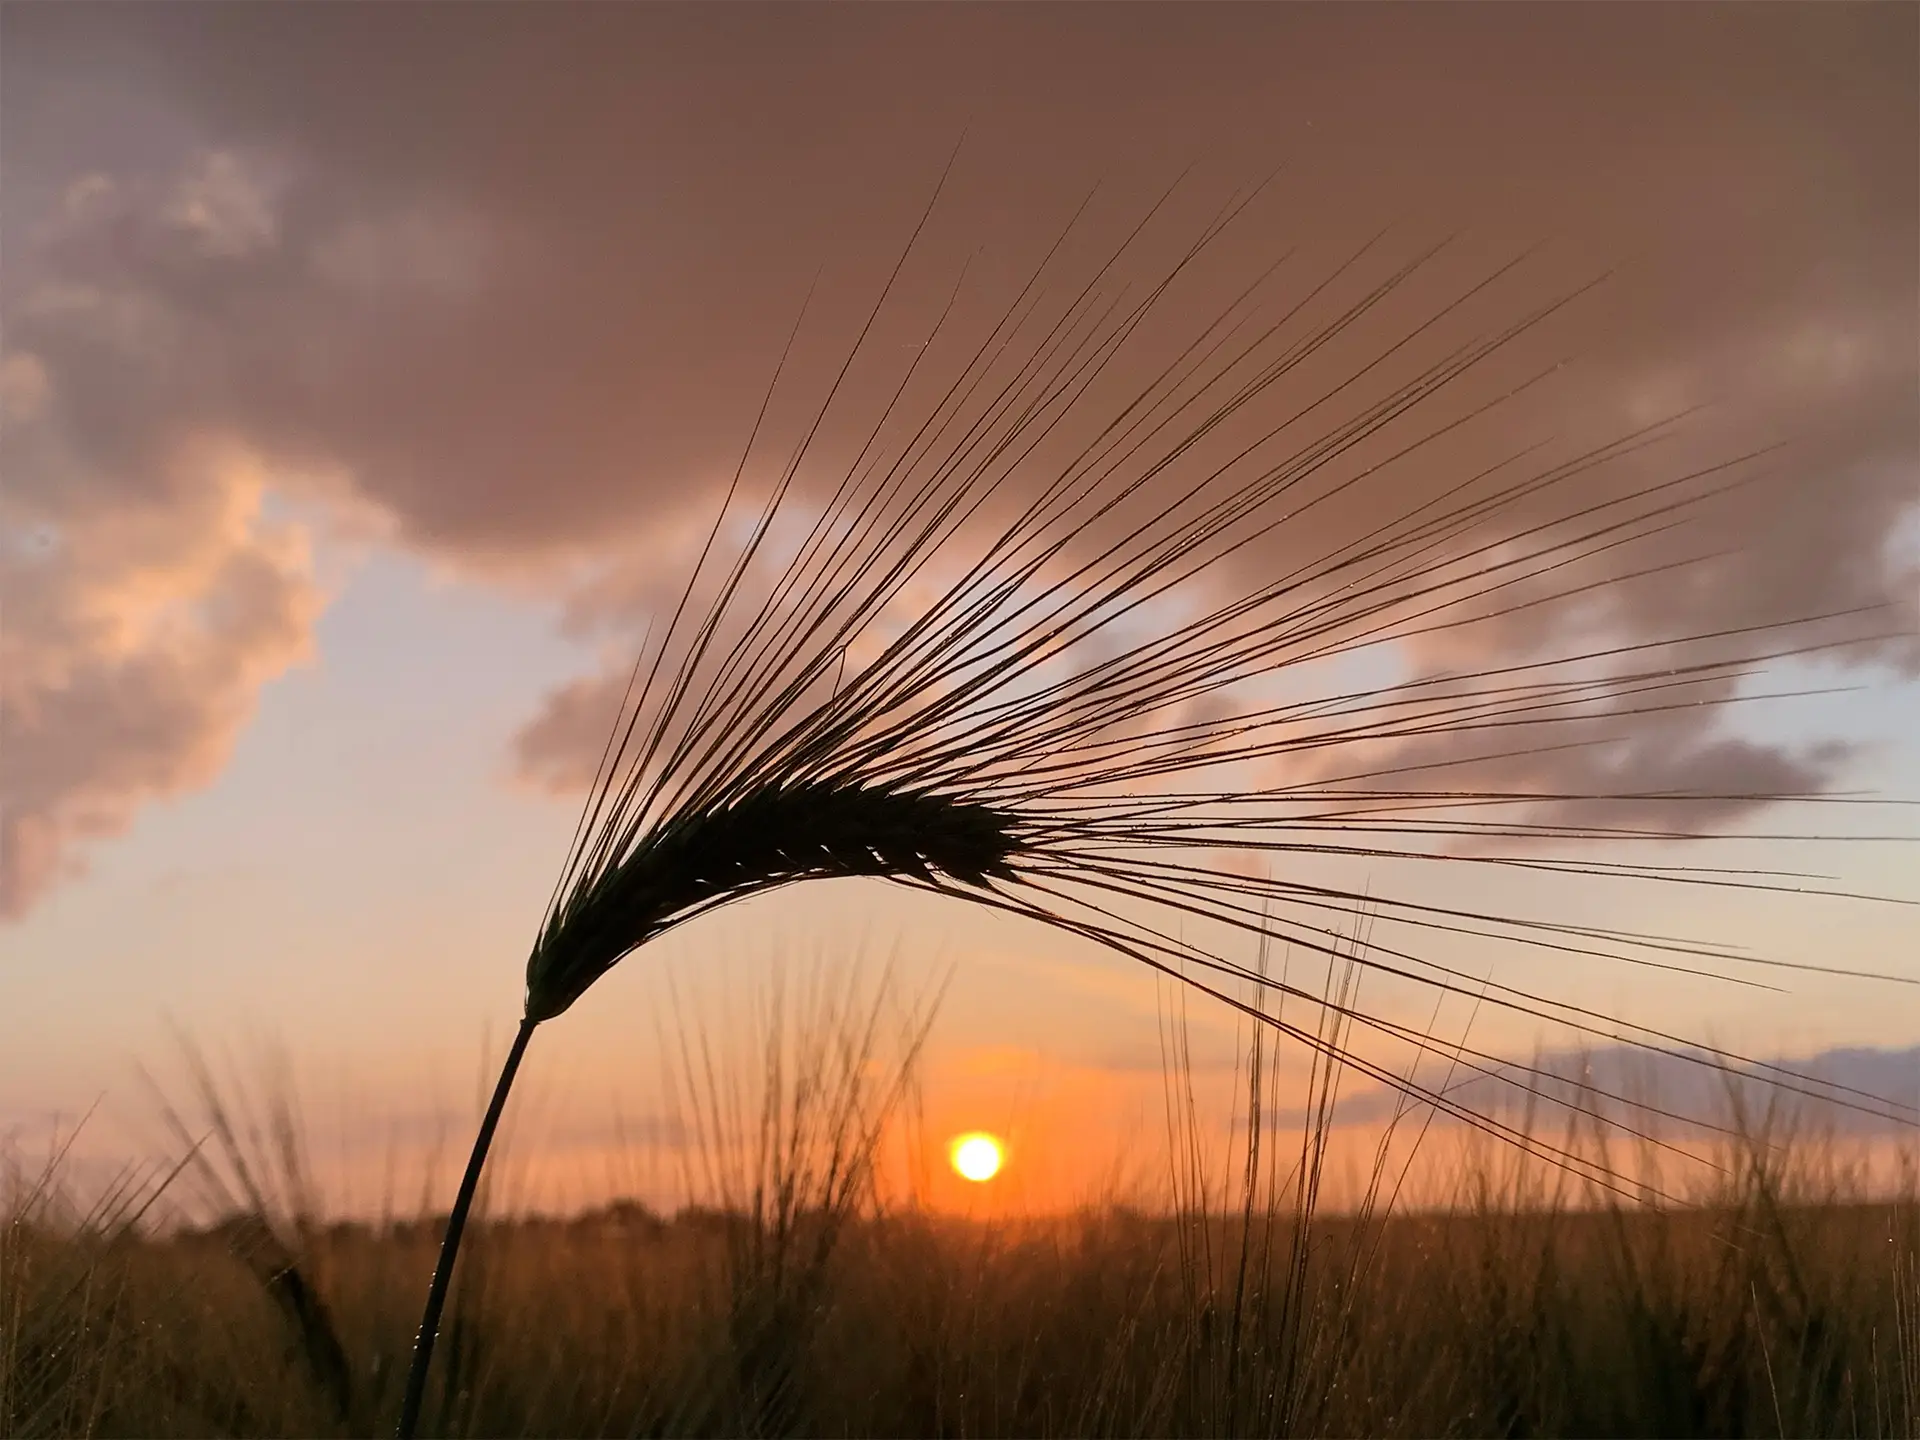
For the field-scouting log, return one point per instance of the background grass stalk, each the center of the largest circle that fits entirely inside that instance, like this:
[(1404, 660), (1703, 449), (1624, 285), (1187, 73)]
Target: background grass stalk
[(796, 1291), (450, 1242), (1027, 733)]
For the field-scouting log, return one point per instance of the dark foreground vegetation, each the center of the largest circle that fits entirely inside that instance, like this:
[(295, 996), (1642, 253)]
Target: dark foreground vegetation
[(1782, 1299), (1749, 1319)]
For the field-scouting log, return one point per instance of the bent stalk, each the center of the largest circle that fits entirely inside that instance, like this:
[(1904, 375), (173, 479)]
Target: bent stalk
[(1076, 611), (450, 1242)]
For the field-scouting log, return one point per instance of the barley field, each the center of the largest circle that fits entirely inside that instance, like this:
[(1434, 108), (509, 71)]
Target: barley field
[(805, 1295), (1394, 524)]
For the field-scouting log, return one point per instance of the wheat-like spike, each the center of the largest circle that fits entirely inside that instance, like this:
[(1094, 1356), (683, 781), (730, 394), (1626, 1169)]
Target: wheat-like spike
[(772, 836), (1066, 710)]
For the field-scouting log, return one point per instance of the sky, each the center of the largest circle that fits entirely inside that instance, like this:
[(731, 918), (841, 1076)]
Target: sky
[(371, 374)]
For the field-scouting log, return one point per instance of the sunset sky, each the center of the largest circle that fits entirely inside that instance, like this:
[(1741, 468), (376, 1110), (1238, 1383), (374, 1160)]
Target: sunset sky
[(371, 373)]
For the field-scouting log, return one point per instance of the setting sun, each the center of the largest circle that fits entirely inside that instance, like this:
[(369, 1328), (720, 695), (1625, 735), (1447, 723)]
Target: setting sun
[(976, 1157)]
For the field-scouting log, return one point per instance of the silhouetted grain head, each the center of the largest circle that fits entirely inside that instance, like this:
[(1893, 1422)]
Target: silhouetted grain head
[(1141, 627), (1085, 621), (772, 836)]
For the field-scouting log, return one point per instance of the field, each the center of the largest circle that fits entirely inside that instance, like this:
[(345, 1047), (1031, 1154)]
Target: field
[(1397, 527), (809, 1297)]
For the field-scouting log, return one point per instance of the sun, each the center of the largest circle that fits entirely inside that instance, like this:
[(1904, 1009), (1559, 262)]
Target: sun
[(976, 1157)]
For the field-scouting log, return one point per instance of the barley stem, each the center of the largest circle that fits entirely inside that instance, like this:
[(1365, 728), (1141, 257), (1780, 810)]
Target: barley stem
[(450, 1242)]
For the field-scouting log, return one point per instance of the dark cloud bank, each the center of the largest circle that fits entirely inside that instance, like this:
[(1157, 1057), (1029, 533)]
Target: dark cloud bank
[(508, 283), (1691, 1086)]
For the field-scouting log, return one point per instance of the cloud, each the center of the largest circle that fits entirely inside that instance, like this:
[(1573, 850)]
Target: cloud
[(1839, 1096), (148, 595), (223, 207), (138, 638), (534, 346), (559, 748)]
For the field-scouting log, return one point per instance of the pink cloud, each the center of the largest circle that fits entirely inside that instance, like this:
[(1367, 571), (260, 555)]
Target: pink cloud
[(534, 349)]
